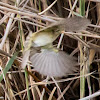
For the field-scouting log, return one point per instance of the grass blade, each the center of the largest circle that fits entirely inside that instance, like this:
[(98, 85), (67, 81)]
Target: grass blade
[(8, 66)]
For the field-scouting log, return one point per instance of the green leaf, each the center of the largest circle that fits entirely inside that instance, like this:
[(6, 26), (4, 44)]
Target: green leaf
[(8, 66), (82, 7), (27, 84)]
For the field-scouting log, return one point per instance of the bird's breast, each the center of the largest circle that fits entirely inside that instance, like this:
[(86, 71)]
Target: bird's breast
[(42, 40)]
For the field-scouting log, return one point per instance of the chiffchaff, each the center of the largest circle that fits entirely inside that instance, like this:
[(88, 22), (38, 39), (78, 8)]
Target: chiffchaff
[(51, 61)]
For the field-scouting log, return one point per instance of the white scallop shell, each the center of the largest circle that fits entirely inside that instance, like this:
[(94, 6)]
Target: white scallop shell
[(50, 63)]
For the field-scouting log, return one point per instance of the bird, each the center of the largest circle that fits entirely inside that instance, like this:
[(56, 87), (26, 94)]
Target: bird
[(50, 61)]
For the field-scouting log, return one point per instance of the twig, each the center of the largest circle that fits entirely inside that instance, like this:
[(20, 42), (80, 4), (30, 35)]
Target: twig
[(91, 96), (47, 8)]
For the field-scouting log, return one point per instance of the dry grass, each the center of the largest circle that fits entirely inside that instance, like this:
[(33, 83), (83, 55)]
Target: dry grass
[(17, 18)]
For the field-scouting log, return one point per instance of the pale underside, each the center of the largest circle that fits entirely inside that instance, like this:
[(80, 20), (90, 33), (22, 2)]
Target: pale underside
[(42, 40)]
